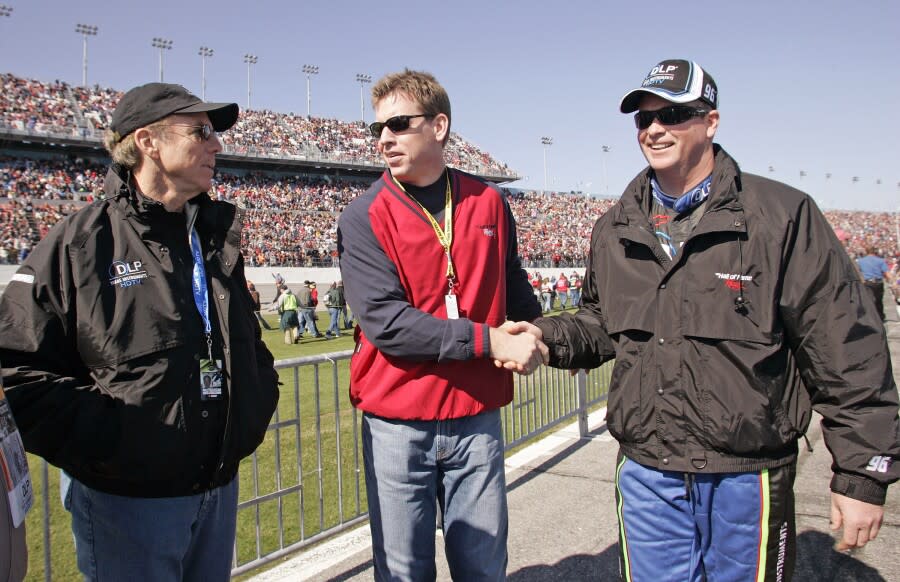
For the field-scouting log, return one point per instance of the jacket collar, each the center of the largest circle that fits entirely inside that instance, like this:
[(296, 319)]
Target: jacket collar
[(219, 224), (634, 207)]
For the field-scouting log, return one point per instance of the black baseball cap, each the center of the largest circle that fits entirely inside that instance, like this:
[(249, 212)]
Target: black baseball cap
[(149, 103), (677, 81)]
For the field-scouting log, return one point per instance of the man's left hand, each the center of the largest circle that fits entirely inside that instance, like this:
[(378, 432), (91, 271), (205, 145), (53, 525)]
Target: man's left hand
[(860, 520)]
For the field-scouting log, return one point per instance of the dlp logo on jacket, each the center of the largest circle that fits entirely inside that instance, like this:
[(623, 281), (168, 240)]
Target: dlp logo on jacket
[(127, 273)]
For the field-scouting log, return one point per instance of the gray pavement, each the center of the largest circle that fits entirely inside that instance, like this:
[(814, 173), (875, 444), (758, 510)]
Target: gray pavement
[(563, 520)]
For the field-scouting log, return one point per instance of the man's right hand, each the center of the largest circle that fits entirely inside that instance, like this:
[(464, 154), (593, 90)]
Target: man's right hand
[(518, 351)]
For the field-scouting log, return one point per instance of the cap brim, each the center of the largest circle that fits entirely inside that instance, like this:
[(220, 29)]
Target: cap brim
[(632, 99), (221, 115)]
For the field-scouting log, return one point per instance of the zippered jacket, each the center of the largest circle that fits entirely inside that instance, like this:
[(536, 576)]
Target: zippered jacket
[(722, 352), (411, 362), (101, 341)]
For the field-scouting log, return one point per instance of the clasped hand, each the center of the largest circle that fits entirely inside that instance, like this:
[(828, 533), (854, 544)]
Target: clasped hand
[(518, 346)]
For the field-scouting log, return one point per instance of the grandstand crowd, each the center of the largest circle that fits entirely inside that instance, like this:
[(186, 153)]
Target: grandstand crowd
[(291, 218)]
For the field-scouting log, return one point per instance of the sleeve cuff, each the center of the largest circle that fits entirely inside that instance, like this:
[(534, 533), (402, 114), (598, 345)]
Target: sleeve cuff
[(859, 488), (481, 343)]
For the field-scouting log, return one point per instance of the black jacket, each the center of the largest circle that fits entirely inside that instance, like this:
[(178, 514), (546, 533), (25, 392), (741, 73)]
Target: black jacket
[(722, 352), (100, 341)]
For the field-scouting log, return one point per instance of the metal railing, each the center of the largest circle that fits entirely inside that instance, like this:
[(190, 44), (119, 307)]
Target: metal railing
[(306, 483)]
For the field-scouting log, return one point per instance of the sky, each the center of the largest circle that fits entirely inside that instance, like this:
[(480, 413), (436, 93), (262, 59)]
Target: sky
[(807, 89)]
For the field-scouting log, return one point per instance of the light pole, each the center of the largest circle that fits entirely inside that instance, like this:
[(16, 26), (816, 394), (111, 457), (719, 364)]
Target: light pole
[(309, 70), (162, 44), (250, 60), (362, 80), (547, 142), (204, 52), (603, 151), (85, 30)]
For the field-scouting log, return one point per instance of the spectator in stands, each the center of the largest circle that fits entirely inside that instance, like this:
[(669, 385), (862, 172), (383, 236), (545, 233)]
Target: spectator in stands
[(117, 372), (423, 364), (874, 271), (742, 311)]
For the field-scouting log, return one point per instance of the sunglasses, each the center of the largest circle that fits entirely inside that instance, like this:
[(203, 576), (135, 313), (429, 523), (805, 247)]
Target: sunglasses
[(672, 115), (396, 124), (202, 132)]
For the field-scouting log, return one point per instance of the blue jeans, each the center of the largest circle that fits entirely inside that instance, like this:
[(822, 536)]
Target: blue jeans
[(411, 466), (155, 539), (308, 321), (574, 297), (563, 295), (334, 313)]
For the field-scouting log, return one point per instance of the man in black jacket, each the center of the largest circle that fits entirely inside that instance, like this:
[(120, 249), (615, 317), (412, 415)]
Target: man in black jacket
[(131, 355), (731, 310)]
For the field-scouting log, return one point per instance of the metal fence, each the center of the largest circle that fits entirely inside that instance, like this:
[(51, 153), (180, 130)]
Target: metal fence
[(305, 482)]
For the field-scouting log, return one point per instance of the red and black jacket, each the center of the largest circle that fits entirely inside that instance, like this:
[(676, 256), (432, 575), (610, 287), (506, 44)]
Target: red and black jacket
[(411, 362)]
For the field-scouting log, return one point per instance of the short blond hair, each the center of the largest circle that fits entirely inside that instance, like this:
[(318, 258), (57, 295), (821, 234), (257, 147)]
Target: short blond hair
[(419, 86)]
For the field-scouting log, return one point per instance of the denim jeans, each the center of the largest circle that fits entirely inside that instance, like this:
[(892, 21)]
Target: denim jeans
[(308, 321), (411, 467), (165, 539), (334, 313)]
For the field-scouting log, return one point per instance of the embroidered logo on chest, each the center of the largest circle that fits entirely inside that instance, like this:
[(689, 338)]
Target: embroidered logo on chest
[(127, 273)]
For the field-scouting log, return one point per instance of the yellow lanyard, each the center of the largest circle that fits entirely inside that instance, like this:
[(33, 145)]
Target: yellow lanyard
[(445, 235)]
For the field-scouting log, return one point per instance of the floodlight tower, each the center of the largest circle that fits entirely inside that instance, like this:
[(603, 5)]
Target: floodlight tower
[(362, 80), (250, 60), (204, 53), (162, 44), (547, 142), (309, 70), (85, 30)]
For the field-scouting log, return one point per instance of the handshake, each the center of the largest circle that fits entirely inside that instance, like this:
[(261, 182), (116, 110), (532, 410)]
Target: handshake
[(518, 346)]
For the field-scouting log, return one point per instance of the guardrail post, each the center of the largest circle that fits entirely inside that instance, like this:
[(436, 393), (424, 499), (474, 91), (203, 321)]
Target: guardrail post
[(581, 402)]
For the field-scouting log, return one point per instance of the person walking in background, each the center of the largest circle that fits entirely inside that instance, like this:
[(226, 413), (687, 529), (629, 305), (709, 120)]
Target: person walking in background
[(562, 290), (874, 270), (546, 295), (289, 322), (131, 356), (308, 309), (431, 270), (574, 289), (333, 300), (732, 311), (342, 304), (257, 305)]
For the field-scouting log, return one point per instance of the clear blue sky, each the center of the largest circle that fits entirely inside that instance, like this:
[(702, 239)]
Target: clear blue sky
[(804, 85)]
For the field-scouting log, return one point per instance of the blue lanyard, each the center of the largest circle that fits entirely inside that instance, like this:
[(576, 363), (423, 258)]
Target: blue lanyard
[(201, 295)]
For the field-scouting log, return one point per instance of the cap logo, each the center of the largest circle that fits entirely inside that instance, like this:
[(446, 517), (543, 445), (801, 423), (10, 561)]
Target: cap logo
[(709, 93), (659, 75)]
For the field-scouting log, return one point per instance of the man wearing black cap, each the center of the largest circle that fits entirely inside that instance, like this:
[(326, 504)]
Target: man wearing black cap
[(131, 355), (732, 311)]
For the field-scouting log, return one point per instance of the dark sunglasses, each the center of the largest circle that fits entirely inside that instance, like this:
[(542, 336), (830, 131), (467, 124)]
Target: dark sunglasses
[(672, 115), (396, 124), (202, 132)]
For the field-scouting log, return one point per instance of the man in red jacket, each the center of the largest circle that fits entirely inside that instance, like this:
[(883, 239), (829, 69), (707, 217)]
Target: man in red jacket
[(430, 267)]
